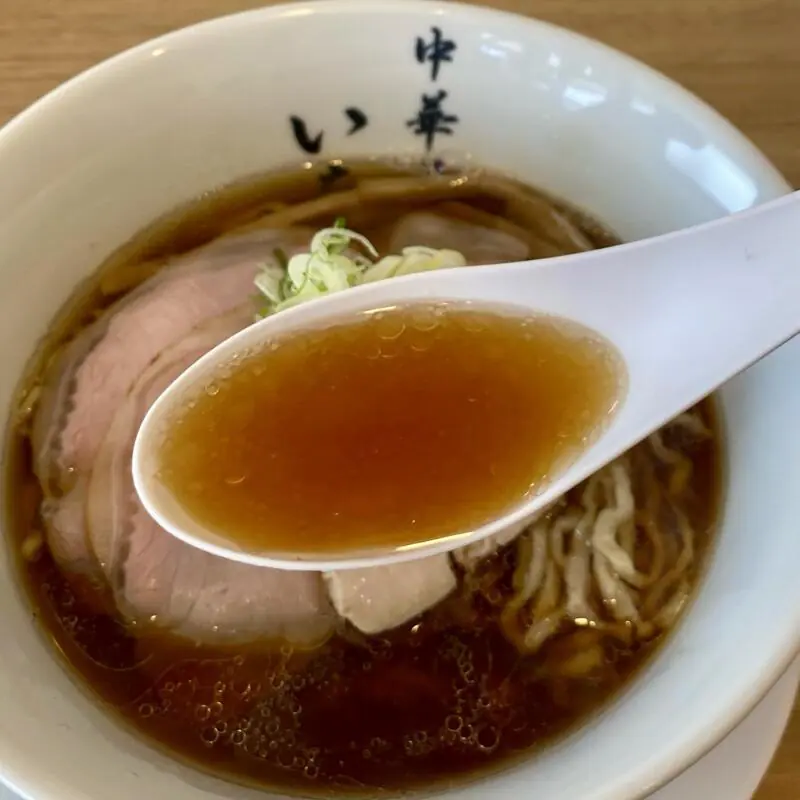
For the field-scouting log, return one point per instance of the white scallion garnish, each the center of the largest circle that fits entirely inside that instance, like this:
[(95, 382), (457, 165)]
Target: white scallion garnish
[(333, 265)]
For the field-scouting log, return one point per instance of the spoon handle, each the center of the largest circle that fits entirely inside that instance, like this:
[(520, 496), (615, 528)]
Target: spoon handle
[(688, 310)]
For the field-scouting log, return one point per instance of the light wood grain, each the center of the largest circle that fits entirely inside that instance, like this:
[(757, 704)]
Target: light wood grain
[(742, 56)]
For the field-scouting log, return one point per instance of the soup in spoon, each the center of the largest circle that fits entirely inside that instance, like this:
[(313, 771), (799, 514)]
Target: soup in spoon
[(390, 428)]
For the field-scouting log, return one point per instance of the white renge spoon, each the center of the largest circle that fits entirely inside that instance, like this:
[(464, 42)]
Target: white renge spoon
[(687, 311)]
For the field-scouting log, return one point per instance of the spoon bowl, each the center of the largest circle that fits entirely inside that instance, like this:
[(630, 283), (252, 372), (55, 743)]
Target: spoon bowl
[(686, 311)]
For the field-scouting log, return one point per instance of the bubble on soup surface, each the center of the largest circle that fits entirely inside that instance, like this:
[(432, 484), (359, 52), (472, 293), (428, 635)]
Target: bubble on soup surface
[(389, 327), (210, 736)]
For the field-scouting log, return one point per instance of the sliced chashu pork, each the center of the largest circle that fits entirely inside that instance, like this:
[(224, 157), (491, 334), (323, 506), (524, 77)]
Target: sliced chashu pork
[(376, 599), (160, 578), (99, 367), (108, 492), (93, 374), (93, 402)]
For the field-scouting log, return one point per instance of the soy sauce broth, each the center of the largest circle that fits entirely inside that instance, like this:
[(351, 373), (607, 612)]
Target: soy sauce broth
[(389, 428), (436, 703)]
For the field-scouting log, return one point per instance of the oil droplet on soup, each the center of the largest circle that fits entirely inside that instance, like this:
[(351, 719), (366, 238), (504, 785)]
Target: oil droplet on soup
[(389, 428)]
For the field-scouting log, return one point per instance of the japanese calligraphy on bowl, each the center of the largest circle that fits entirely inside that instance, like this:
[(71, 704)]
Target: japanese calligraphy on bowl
[(431, 119)]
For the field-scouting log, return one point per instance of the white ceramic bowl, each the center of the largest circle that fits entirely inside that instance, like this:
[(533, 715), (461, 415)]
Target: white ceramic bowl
[(92, 163)]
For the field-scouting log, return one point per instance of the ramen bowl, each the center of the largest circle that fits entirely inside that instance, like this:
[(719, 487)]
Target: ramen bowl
[(98, 159)]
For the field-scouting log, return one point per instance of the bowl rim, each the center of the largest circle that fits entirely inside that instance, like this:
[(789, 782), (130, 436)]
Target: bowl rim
[(680, 759), (289, 8)]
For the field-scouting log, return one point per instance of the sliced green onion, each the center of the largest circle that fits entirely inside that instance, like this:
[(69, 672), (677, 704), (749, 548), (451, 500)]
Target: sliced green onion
[(332, 265)]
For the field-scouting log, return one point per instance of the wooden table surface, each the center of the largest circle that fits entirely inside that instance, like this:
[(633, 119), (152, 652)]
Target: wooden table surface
[(742, 56)]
